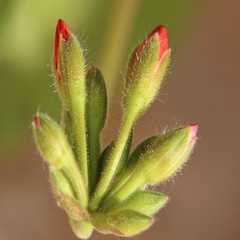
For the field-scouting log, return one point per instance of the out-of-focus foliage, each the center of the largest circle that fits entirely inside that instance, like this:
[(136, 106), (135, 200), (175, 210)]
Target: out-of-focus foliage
[(26, 44)]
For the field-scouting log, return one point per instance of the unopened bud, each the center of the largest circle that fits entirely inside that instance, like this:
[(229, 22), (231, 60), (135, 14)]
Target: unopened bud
[(82, 229), (128, 223), (56, 151), (144, 202), (168, 154), (96, 112), (147, 67), (96, 104), (64, 195), (51, 141), (163, 157), (68, 65)]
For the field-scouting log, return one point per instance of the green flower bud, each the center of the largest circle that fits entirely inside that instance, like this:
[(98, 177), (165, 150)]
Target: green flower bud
[(64, 195), (144, 202), (51, 141), (55, 149), (161, 159), (128, 223), (60, 183), (168, 154), (69, 64), (147, 68), (96, 112), (82, 229), (124, 223), (69, 69)]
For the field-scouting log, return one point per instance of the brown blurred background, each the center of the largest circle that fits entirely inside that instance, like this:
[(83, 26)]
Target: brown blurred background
[(202, 86)]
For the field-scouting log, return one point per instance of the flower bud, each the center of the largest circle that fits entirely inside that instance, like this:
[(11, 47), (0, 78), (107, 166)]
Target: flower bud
[(163, 157), (168, 154), (96, 105), (96, 112), (123, 223), (82, 229), (128, 223), (147, 67), (64, 194), (144, 202), (56, 151), (69, 68), (51, 141), (68, 65)]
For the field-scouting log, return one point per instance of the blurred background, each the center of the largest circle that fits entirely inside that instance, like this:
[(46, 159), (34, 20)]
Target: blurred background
[(202, 86)]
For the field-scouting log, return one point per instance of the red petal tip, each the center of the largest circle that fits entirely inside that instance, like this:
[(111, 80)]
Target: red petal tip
[(162, 40), (36, 122), (161, 33), (61, 30), (193, 132)]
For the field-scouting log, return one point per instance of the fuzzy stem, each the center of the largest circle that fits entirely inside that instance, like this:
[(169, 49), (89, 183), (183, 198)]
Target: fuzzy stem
[(71, 171), (113, 161), (134, 183), (79, 134)]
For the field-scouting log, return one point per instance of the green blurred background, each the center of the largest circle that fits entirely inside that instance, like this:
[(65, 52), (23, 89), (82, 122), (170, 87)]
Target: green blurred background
[(108, 30), (202, 86)]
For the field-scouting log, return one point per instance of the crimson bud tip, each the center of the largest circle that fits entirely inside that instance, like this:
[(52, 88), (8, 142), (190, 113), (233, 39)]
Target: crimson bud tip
[(193, 132), (61, 30)]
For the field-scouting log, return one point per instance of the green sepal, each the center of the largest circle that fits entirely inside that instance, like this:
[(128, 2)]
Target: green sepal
[(64, 195), (60, 183), (144, 202), (124, 223), (96, 105), (128, 223), (83, 229)]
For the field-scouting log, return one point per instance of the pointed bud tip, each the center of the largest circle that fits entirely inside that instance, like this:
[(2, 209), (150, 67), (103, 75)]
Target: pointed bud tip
[(193, 132), (161, 33), (61, 30), (162, 38), (36, 122)]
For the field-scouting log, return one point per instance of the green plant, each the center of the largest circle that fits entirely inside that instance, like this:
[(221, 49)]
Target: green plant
[(108, 191)]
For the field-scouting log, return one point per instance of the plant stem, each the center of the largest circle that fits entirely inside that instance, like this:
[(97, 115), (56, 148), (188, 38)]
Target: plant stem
[(113, 161), (134, 183), (79, 134), (72, 173)]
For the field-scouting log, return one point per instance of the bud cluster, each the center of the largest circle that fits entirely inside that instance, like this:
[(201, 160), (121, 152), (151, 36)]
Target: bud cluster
[(108, 190)]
